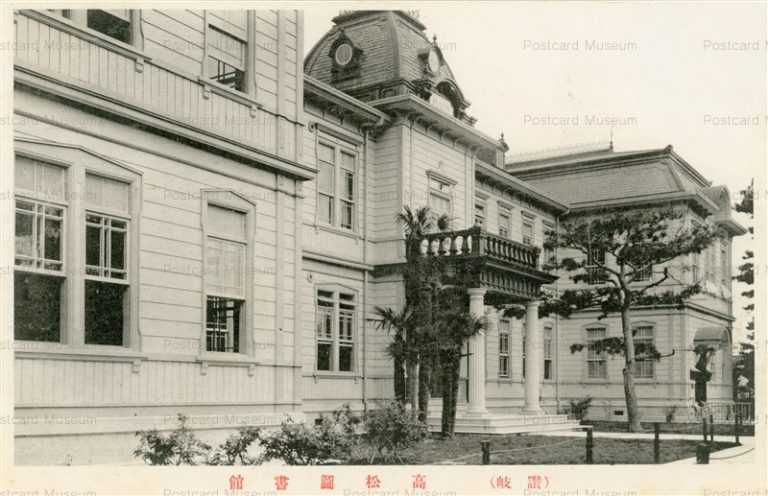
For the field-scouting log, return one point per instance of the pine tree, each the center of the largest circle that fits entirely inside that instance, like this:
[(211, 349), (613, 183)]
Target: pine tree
[(746, 275)]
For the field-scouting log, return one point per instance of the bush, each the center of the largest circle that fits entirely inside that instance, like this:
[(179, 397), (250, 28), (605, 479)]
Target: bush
[(333, 438), (179, 447), (235, 448), (579, 407), (390, 429)]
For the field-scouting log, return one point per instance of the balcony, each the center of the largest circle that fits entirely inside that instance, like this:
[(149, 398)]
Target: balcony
[(502, 266)]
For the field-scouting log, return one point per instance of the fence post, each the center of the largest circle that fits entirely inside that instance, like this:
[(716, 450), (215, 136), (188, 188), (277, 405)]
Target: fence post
[(704, 427), (486, 447), (702, 453), (589, 446), (656, 446), (711, 428), (737, 428)]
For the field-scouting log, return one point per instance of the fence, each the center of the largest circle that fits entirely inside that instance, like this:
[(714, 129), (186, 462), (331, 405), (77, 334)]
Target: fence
[(727, 412)]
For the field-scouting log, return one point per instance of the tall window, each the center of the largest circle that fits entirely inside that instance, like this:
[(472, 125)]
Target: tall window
[(335, 331), (336, 172), (504, 328), (505, 224), (107, 222), (226, 47), (115, 23), (597, 366), (596, 256), (226, 248), (548, 253), (39, 250), (644, 364), (527, 228), (695, 267), (480, 215), (440, 197), (548, 352)]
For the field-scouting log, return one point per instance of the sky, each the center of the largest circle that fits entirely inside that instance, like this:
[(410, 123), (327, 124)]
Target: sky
[(551, 75)]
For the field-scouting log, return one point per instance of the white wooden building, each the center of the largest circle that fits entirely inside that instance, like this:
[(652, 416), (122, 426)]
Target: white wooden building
[(205, 222)]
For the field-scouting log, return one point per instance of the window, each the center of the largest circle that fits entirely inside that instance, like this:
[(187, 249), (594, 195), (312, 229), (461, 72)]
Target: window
[(711, 263), (594, 272), (106, 255), (347, 190), (226, 48), (505, 226), (695, 267), (548, 252), (504, 328), (226, 254), (527, 229), (725, 269), (597, 367), (328, 157), (335, 331), (440, 193), (644, 365), (644, 273), (39, 271), (114, 23), (480, 215), (548, 355)]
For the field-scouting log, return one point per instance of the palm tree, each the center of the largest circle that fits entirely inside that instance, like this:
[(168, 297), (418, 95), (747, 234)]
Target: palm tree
[(420, 277), (399, 323)]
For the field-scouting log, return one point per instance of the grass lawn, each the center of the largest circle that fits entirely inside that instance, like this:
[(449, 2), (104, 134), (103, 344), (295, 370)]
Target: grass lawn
[(550, 450)]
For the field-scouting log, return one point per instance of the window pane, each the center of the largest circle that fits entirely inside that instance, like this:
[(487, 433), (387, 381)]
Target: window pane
[(24, 233), (325, 209), (345, 358), (37, 307), (222, 329), (93, 247), (53, 239), (325, 178), (226, 48), (107, 23), (108, 193), (104, 309), (349, 186), (225, 267), (226, 222), (323, 356), (117, 248), (348, 161), (325, 153), (24, 173), (346, 215), (547, 369)]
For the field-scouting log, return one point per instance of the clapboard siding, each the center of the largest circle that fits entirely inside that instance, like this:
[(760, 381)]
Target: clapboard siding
[(168, 81)]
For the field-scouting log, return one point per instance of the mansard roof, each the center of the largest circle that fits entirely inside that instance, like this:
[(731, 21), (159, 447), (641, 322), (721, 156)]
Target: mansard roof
[(390, 56)]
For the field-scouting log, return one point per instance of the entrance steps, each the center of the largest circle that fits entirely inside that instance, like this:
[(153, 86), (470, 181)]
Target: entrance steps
[(502, 423)]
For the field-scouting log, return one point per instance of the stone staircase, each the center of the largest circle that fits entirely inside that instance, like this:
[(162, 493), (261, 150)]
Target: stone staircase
[(502, 423)]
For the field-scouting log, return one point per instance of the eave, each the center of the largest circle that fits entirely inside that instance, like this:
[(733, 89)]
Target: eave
[(733, 227), (436, 118), (697, 198), (346, 104), (508, 181)]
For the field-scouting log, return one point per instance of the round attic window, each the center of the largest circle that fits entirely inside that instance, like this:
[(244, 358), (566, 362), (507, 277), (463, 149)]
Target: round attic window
[(343, 54)]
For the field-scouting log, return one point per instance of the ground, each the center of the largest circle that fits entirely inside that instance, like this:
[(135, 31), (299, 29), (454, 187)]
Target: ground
[(548, 450)]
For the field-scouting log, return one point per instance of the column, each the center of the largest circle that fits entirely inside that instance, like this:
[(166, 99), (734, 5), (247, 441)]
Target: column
[(533, 359), (477, 356)]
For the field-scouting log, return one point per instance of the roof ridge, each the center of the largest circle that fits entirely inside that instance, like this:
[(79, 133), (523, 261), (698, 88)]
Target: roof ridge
[(596, 146)]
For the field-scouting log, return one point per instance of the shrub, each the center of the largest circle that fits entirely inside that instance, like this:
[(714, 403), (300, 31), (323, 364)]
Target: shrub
[(333, 438), (177, 448), (390, 429), (579, 407), (235, 448)]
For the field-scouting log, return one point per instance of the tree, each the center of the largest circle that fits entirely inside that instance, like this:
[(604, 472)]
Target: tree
[(420, 274), (746, 275), (616, 250), (397, 322)]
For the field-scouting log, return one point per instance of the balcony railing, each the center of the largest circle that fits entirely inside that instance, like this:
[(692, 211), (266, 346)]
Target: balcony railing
[(504, 266)]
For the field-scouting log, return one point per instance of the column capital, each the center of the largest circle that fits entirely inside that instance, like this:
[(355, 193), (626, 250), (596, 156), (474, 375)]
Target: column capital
[(476, 291), (533, 303)]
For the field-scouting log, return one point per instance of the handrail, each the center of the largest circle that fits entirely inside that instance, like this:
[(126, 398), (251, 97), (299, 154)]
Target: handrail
[(475, 241)]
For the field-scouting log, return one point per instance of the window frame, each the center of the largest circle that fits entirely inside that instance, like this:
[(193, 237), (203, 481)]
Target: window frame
[(231, 200), (440, 187), (527, 219), (249, 88), (504, 332), (77, 163), (481, 214), (600, 358), (78, 18), (548, 353), (505, 211), (644, 362), (336, 291), (339, 186)]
